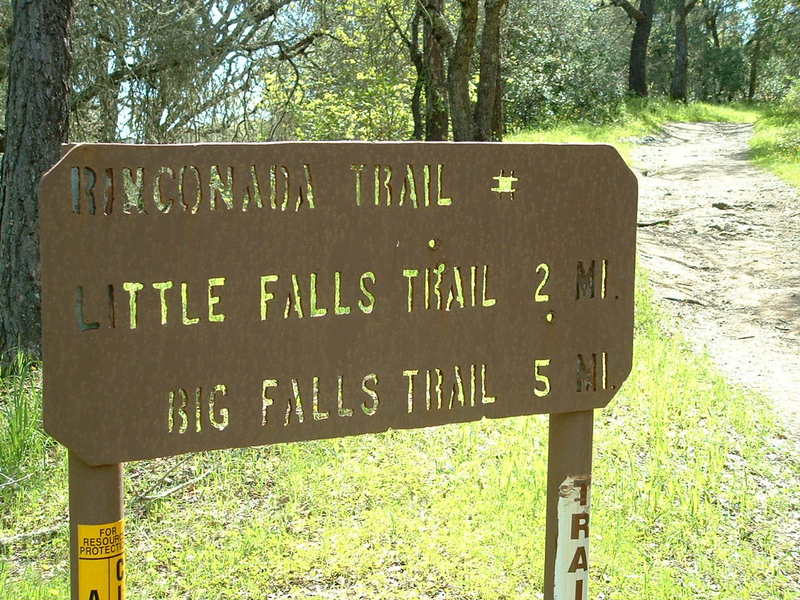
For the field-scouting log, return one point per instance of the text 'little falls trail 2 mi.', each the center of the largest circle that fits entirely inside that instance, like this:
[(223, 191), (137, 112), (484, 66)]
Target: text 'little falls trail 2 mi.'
[(215, 296)]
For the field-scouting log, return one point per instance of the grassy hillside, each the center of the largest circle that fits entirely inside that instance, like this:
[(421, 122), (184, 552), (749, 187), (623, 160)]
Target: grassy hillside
[(693, 486)]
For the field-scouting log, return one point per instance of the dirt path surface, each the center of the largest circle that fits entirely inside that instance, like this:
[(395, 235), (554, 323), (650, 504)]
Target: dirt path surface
[(727, 260)]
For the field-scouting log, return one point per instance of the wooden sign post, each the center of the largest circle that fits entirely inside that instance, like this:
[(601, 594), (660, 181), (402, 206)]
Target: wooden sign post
[(230, 295)]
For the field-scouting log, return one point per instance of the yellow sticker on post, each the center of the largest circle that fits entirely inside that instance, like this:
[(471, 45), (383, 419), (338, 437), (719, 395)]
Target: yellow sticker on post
[(101, 561)]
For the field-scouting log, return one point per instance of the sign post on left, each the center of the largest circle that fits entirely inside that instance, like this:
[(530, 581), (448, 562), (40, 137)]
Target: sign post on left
[(97, 531)]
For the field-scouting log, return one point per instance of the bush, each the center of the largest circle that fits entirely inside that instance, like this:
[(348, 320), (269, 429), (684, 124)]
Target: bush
[(559, 65), (791, 101)]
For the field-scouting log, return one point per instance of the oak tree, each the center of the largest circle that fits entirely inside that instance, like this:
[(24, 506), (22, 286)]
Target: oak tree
[(37, 120)]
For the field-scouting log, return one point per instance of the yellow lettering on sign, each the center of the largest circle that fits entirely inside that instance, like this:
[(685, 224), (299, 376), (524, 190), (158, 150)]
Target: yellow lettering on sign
[(101, 561)]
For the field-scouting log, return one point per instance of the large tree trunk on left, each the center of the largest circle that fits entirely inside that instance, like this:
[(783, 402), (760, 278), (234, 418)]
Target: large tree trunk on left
[(37, 117), (679, 86), (487, 107)]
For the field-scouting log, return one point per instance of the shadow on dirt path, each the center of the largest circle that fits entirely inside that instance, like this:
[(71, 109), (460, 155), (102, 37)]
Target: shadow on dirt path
[(727, 261)]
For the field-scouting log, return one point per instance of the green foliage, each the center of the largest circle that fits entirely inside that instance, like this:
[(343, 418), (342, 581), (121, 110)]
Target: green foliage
[(656, 111), (661, 53), (776, 143), (32, 586), (725, 39), (22, 442), (791, 101), (358, 101), (720, 74), (213, 70), (361, 87), (562, 64), (640, 116), (777, 74), (775, 31)]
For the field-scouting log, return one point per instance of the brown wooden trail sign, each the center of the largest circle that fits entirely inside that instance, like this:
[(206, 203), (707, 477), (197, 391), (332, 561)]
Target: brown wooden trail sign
[(227, 295)]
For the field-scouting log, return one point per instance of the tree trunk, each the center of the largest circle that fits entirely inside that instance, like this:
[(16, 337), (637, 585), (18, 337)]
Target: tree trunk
[(419, 84), (416, 109), (498, 120), (679, 85), (415, 54), (637, 67), (37, 117), (109, 112), (109, 59), (458, 73), (436, 114), (712, 27), (489, 70), (752, 83)]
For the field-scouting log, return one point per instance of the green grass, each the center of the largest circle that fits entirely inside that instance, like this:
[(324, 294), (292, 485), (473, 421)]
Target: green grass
[(776, 143), (641, 117), (694, 483), (775, 146), (21, 442)]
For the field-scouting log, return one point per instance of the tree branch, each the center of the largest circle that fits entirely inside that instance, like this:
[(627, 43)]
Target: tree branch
[(412, 42), (270, 10), (406, 40), (289, 97), (231, 32), (286, 50), (31, 535), (439, 27), (632, 12), (177, 488)]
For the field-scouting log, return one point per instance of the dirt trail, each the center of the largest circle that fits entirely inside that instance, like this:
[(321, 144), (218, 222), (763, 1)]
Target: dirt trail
[(727, 262)]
